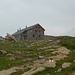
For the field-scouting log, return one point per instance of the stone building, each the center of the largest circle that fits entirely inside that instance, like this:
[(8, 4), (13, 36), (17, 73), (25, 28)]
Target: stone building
[(35, 32)]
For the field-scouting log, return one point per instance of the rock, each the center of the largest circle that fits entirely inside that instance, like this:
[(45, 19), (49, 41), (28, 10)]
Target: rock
[(18, 52), (73, 60), (41, 57), (27, 60), (8, 71), (2, 52), (59, 70), (10, 38), (49, 64), (12, 58), (34, 70), (63, 50), (66, 64), (9, 54), (28, 46)]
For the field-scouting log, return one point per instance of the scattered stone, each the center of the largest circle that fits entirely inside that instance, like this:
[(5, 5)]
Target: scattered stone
[(73, 60), (28, 59), (28, 46), (59, 70), (66, 64), (11, 58), (9, 54), (34, 70), (8, 71), (18, 52), (63, 50), (41, 57), (2, 52), (49, 64), (58, 41), (10, 38)]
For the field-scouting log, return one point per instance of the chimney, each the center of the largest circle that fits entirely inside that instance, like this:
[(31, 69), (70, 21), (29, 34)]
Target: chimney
[(18, 29), (26, 26)]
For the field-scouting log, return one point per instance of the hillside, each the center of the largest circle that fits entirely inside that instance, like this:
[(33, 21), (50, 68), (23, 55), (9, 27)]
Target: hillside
[(33, 57), (60, 38)]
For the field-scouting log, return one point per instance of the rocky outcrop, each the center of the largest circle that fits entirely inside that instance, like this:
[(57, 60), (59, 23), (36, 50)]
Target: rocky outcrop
[(2, 52), (10, 38), (66, 64)]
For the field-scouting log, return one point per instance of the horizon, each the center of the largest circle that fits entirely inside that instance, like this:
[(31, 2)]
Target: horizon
[(55, 16)]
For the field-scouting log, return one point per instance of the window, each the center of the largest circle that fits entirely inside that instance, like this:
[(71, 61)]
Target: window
[(33, 35), (25, 32), (39, 35), (25, 36), (36, 31), (39, 31)]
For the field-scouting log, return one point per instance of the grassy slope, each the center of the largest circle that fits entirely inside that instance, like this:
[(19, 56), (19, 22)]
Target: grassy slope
[(32, 52), (70, 44), (21, 51)]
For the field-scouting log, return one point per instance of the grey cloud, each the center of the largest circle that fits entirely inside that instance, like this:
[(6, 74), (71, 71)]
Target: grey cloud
[(56, 16)]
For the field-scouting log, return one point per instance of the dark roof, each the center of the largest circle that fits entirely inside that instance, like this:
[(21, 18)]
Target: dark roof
[(1, 37), (25, 29)]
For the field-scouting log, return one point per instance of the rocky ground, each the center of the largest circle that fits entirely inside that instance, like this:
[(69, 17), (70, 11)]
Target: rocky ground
[(36, 60)]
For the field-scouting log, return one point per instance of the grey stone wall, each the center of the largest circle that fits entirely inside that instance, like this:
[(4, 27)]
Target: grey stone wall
[(33, 34)]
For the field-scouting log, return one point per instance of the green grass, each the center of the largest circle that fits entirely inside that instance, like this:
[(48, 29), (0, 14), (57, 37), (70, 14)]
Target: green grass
[(59, 63), (32, 52), (69, 43), (13, 47)]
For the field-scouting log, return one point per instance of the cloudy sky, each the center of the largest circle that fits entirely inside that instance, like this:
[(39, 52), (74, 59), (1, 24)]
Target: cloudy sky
[(56, 16)]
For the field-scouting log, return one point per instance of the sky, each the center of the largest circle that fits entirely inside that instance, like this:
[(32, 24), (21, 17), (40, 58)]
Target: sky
[(57, 17)]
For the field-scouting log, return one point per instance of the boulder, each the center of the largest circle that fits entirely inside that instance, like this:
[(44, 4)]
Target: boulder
[(66, 64), (10, 38), (73, 60), (11, 58), (2, 52), (41, 57)]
